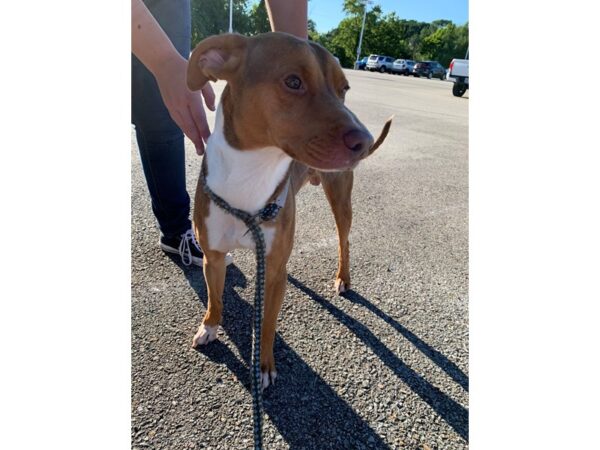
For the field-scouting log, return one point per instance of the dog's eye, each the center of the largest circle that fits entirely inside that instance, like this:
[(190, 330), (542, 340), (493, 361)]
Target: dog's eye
[(293, 82)]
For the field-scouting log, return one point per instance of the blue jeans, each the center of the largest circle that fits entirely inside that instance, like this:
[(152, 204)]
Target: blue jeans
[(159, 139)]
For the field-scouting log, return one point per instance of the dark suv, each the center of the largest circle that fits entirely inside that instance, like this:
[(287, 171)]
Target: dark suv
[(429, 69)]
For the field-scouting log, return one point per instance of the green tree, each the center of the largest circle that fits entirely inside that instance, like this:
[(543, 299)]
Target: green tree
[(446, 43), (411, 35), (259, 19), (389, 37), (441, 23), (388, 34), (212, 17), (344, 38)]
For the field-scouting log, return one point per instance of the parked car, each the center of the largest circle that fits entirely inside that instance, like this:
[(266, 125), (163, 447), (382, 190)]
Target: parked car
[(429, 69), (380, 63), (361, 64), (403, 66), (459, 71)]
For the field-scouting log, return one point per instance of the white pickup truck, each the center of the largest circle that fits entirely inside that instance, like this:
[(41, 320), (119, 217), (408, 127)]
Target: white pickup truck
[(459, 70)]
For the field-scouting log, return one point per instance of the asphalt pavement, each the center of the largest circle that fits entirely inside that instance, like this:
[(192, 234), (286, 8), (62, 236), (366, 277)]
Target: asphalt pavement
[(385, 366)]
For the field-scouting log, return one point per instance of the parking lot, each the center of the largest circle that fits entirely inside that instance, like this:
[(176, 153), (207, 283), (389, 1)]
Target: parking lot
[(386, 366)]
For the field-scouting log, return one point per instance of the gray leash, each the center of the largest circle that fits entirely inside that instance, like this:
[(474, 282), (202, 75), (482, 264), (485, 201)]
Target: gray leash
[(269, 212)]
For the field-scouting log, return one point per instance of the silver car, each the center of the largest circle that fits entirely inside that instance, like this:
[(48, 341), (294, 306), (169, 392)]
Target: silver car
[(380, 63), (403, 66)]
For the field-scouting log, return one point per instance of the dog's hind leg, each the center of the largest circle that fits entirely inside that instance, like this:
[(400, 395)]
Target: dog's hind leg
[(338, 190), (214, 274)]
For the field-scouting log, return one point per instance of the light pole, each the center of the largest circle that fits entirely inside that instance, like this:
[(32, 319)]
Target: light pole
[(362, 29), (231, 16)]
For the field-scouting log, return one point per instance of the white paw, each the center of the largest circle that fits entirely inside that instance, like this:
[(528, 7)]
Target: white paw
[(340, 286), (205, 334), (268, 378), (228, 259)]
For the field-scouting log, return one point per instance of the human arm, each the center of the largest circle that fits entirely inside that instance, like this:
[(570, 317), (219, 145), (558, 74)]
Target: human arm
[(153, 48), (289, 16)]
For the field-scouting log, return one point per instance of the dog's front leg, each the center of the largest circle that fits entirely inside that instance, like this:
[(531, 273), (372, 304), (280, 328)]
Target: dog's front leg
[(275, 284), (276, 281), (214, 274)]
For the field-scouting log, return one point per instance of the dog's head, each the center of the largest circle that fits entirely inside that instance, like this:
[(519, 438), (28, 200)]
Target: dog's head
[(283, 92)]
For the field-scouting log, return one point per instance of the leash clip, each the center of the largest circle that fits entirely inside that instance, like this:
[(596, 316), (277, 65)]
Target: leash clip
[(267, 214)]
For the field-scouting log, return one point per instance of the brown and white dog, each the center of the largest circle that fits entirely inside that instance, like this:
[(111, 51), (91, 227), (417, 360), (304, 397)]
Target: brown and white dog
[(281, 116)]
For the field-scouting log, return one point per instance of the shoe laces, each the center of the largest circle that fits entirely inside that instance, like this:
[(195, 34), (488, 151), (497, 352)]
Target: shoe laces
[(185, 250)]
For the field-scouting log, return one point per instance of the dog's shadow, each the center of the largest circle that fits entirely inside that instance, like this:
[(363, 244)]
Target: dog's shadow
[(300, 399), (296, 404), (451, 369), (453, 413)]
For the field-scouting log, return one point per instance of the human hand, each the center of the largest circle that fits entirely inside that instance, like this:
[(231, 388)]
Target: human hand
[(185, 106)]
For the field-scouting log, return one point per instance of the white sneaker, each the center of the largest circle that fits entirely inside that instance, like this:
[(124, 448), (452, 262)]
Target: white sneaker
[(187, 247)]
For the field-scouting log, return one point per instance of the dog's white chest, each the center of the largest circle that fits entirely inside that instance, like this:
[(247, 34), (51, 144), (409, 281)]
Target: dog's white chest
[(246, 180), (226, 233)]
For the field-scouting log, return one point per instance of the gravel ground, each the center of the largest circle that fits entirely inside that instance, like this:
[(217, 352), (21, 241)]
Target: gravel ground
[(385, 366)]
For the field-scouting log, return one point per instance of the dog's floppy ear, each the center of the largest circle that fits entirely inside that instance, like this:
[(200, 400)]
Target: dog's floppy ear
[(382, 135), (215, 58)]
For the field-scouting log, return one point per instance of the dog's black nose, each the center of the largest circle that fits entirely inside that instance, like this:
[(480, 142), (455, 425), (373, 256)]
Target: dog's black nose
[(358, 140)]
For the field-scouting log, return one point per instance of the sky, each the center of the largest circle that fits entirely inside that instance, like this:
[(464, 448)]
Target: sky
[(327, 14)]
